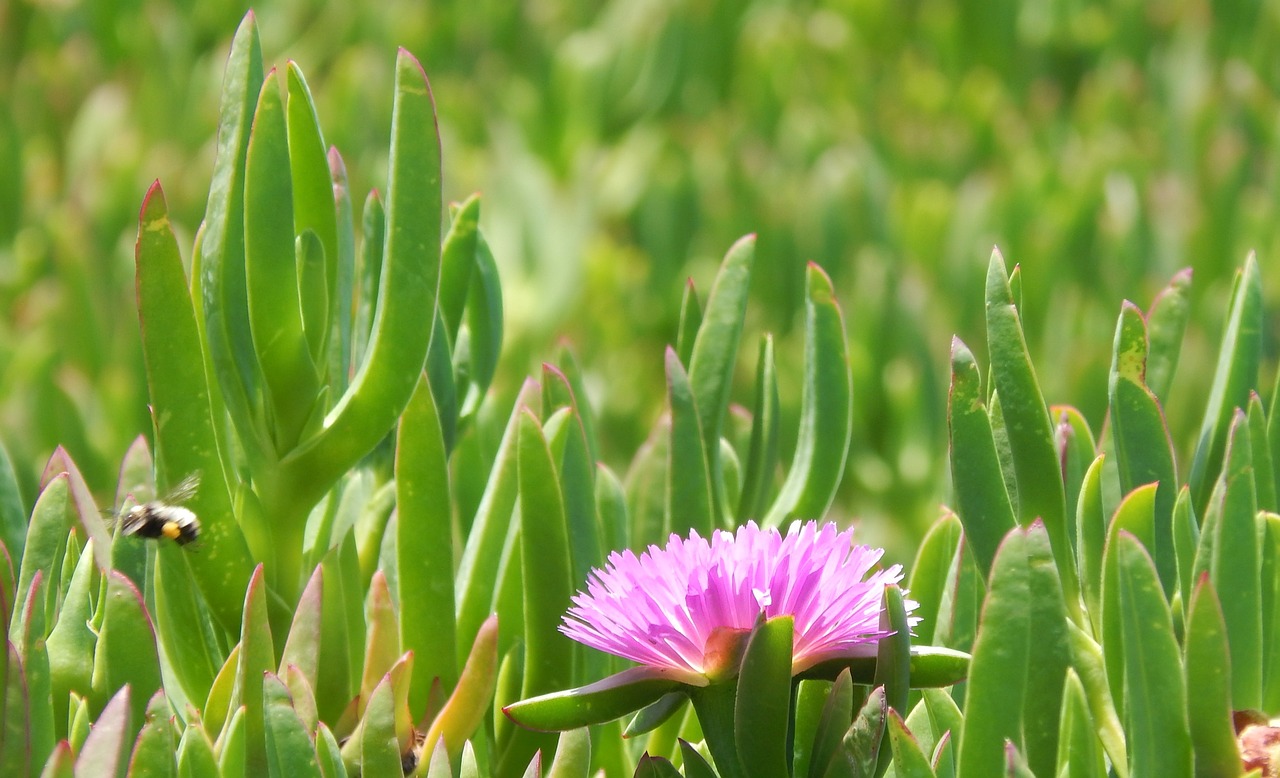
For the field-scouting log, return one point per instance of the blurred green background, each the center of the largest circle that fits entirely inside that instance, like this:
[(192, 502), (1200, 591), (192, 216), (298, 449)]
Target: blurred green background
[(623, 146)]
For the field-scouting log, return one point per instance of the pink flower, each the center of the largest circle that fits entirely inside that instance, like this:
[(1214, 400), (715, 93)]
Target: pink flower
[(672, 607)]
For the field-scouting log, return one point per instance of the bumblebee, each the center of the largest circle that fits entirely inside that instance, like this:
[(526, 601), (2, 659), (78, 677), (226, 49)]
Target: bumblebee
[(165, 518)]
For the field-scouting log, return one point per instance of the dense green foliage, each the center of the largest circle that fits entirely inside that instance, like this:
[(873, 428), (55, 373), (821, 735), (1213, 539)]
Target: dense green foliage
[(622, 146)]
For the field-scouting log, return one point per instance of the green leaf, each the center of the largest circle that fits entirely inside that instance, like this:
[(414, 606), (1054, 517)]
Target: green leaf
[(126, 649), (232, 746), (378, 744), (328, 754), (865, 737), (45, 545), (382, 647), (1235, 565), (763, 711), (181, 411), (604, 700), (689, 503), (302, 645), (478, 567), (1208, 672), (957, 620), (106, 750), (1026, 419), (694, 765), (13, 516), (1166, 323), (762, 457), (314, 298), (424, 550), (908, 760), (1075, 444), (811, 699), (929, 572), (1264, 483), (484, 327), (656, 714), (457, 263), (223, 299), (1049, 654), (837, 716), (826, 410), (257, 656), (893, 659), (155, 753), (195, 754), (982, 501), (1186, 537), (1078, 752), (314, 209), (998, 680), (715, 349), (35, 673), (690, 322), (271, 273), (463, 713), (1144, 451), (1159, 743), (289, 748), (181, 625), (61, 762), (1235, 375), (342, 631), (71, 643), (397, 348), (373, 232), (1091, 526), (1271, 612), (573, 755), (343, 292)]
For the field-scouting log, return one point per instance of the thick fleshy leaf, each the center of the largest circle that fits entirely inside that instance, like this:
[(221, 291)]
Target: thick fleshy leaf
[(1208, 672), (602, 701), (383, 646), (715, 349), (484, 327), (302, 646), (328, 754), (864, 738), (689, 503), (155, 753), (1166, 322), (46, 543), (397, 347), (1087, 661), (1159, 742), (424, 550), (71, 643), (181, 625), (232, 746), (1235, 565), (62, 762), (1076, 449), (462, 715), (181, 410), (1091, 530), (257, 656), (1078, 752), (929, 572), (1144, 451), (762, 457), (195, 754), (457, 262), (34, 669), (573, 755), (106, 750), (908, 760), (544, 553), (290, 751), (342, 631), (1264, 483), (893, 660), (379, 747), (126, 651), (271, 272), (482, 554), (1271, 614), (1235, 375), (1030, 432), (837, 716), (690, 322), (13, 516), (982, 501), (826, 410), (762, 713)]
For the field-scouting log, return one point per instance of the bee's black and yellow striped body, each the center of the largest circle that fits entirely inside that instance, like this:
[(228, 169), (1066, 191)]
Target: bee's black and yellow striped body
[(159, 520)]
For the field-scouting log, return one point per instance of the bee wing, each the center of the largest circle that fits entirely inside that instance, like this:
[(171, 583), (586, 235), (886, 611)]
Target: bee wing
[(184, 491)]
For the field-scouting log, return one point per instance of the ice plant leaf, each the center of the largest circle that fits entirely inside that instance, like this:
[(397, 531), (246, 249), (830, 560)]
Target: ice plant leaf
[(257, 656), (397, 347), (155, 752), (424, 550), (1041, 494), (1078, 752), (604, 700), (762, 456), (573, 755), (457, 263), (181, 624), (1207, 666), (655, 714), (1159, 741), (1144, 451), (126, 649), (1236, 373), (908, 760), (865, 737), (1166, 322), (837, 716), (690, 321), (689, 503), (929, 579), (826, 409), (195, 754), (893, 658), (715, 349), (106, 750), (181, 410), (982, 501), (762, 713), (289, 748)]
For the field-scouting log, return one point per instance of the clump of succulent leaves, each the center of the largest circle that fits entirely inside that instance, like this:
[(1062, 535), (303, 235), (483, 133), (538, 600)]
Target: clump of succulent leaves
[(387, 553)]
